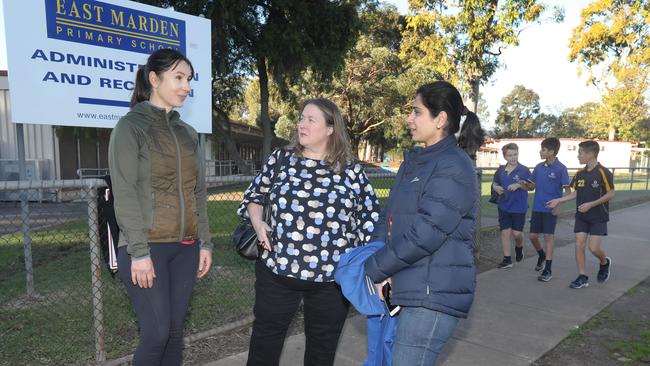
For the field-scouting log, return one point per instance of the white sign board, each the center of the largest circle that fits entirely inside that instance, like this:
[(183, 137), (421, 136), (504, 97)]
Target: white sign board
[(73, 62)]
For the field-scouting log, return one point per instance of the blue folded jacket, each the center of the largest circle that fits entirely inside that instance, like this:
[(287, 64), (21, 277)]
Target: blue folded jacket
[(358, 288)]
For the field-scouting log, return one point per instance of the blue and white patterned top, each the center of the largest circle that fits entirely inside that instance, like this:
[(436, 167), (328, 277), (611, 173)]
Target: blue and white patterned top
[(316, 214)]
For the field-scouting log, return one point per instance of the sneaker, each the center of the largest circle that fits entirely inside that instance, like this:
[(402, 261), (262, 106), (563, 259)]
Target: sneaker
[(519, 254), (541, 259), (580, 282), (505, 264), (603, 272), (545, 276)]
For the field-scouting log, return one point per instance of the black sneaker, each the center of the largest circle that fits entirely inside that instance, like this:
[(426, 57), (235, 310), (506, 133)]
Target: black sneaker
[(545, 276), (519, 253), (580, 282), (541, 259), (505, 264), (603, 272)]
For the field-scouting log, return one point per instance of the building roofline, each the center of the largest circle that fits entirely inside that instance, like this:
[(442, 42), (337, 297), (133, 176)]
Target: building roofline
[(561, 139)]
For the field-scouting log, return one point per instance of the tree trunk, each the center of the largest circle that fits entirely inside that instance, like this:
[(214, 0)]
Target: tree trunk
[(474, 95), (265, 119), (355, 142), (364, 150), (219, 120), (612, 134)]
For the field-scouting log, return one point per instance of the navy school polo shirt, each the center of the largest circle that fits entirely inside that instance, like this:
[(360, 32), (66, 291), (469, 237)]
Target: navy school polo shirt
[(517, 201), (549, 183)]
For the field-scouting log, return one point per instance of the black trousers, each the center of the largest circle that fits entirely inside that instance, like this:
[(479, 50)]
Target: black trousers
[(276, 300), (161, 309)]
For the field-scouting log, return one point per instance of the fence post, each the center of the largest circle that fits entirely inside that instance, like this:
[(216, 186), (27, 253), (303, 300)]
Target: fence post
[(647, 177), (631, 178), (477, 224), (24, 212), (27, 242), (96, 274)]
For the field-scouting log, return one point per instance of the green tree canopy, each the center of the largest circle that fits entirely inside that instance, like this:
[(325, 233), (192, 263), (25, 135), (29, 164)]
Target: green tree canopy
[(365, 89), (518, 115), (463, 40), (613, 37), (573, 122), (612, 45)]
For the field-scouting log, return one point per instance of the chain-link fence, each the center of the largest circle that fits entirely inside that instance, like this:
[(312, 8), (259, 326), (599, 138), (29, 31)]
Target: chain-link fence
[(60, 305)]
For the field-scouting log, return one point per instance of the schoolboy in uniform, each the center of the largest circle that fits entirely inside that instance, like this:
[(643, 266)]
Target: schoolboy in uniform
[(593, 189), (548, 179), (509, 183)]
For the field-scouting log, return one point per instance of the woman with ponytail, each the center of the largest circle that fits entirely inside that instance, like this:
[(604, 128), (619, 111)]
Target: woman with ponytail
[(160, 206), (427, 226)]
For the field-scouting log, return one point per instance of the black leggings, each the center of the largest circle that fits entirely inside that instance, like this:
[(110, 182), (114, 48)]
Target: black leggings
[(276, 301), (161, 309)]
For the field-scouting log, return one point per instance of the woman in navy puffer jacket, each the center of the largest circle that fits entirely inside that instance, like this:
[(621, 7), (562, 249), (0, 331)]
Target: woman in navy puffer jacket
[(427, 226)]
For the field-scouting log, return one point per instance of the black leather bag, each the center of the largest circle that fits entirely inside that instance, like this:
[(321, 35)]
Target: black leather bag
[(244, 237), (494, 196)]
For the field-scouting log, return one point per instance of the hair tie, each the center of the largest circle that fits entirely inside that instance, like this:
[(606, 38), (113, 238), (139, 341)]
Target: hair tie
[(464, 111)]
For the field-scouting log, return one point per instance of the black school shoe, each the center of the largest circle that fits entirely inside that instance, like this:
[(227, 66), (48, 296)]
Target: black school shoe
[(545, 276), (505, 264), (580, 282), (603, 272)]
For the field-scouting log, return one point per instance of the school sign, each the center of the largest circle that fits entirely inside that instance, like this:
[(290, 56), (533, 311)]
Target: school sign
[(73, 62)]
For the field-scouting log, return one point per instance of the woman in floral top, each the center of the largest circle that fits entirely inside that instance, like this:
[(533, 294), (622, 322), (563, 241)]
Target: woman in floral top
[(322, 205)]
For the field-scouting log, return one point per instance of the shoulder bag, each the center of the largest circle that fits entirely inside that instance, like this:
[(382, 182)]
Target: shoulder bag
[(244, 237)]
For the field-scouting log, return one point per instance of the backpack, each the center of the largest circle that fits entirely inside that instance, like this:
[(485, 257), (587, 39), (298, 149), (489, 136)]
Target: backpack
[(109, 231)]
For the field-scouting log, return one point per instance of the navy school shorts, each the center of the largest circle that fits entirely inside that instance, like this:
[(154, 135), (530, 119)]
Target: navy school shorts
[(511, 220), (542, 223), (591, 228)]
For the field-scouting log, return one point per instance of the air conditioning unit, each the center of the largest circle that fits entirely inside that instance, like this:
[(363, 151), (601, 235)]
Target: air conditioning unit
[(35, 169)]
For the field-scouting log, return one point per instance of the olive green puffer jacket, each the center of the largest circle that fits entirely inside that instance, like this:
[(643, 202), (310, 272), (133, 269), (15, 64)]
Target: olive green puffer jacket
[(158, 181)]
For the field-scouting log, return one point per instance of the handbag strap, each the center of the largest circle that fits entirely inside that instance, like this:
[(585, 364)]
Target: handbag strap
[(276, 172)]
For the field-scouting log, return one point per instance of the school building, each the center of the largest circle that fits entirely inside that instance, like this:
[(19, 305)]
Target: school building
[(613, 154)]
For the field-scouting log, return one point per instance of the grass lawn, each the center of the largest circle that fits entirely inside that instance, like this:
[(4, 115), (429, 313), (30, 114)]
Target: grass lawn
[(55, 327)]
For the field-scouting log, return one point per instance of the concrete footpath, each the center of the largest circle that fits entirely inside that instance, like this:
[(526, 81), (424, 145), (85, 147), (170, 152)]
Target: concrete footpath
[(515, 319)]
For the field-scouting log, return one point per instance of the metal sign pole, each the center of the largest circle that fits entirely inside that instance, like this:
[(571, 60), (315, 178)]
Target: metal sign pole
[(24, 210)]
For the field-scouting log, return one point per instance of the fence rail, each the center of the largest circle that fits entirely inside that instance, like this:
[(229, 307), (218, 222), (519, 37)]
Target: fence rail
[(53, 280)]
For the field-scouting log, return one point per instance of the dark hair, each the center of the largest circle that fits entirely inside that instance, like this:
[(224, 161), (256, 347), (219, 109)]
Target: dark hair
[(442, 96), (160, 61), (339, 150), (552, 143), (590, 147), (510, 146)]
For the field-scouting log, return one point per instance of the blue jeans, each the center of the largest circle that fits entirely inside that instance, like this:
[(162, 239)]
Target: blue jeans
[(421, 334)]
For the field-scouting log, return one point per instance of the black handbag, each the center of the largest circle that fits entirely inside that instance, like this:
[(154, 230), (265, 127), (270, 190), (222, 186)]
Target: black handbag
[(244, 237), (494, 196)]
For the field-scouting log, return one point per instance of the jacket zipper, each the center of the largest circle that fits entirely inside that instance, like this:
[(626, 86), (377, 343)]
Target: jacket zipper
[(181, 197)]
